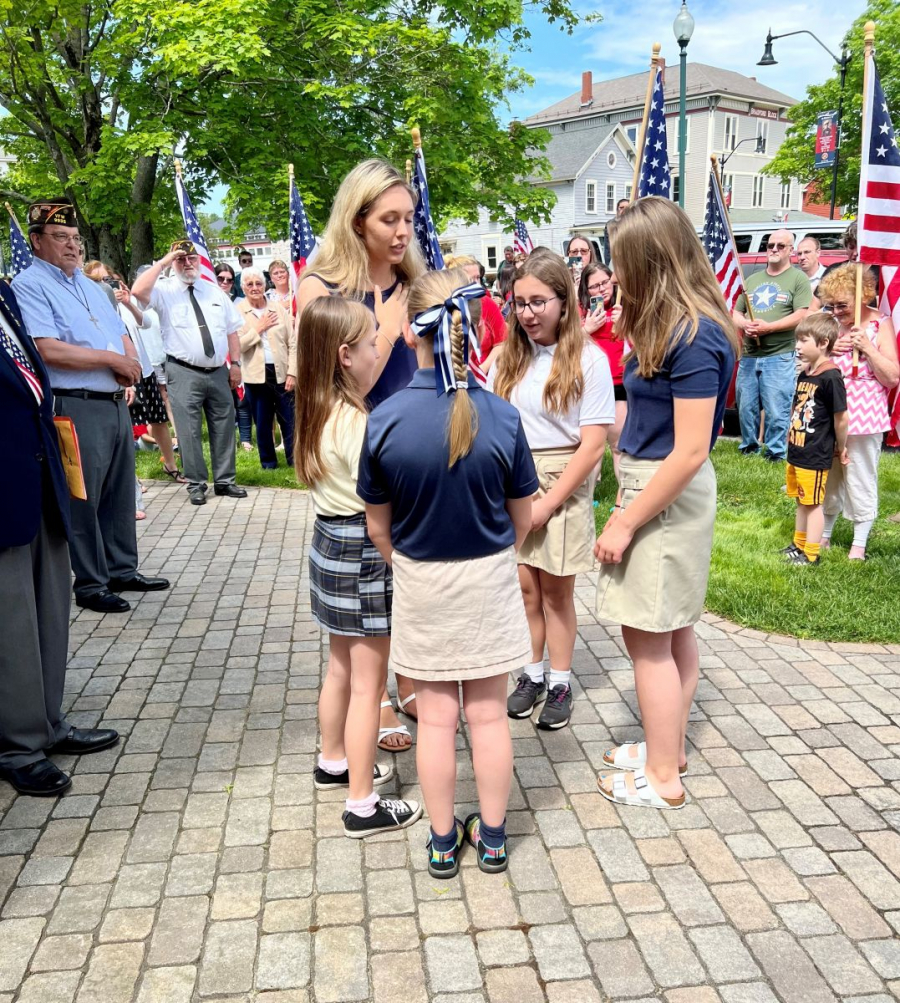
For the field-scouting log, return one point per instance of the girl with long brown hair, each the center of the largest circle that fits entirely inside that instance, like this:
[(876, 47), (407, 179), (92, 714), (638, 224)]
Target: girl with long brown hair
[(447, 480), (349, 582), (655, 549), (561, 385)]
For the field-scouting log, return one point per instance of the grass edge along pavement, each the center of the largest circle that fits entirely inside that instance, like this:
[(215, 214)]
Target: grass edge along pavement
[(749, 582)]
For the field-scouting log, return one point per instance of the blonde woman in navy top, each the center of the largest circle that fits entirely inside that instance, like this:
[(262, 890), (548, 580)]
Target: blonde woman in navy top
[(655, 549)]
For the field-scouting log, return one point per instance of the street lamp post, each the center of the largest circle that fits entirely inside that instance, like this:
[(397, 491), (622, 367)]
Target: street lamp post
[(769, 60), (683, 27)]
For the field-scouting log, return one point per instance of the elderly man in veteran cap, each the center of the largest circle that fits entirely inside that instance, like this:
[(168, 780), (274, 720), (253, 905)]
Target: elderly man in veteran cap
[(90, 358), (199, 326)]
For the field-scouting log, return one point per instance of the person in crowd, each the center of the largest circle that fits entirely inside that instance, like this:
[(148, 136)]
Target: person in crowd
[(35, 574), (225, 279), (427, 452), (152, 341), (369, 253), (596, 294), (507, 265), (281, 292), (580, 255), (561, 385), (91, 360), (808, 261), (817, 435), (867, 357), (780, 297), (227, 282), (350, 582), (493, 325), (245, 260), (199, 326), (269, 365), (621, 206), (656, 546)]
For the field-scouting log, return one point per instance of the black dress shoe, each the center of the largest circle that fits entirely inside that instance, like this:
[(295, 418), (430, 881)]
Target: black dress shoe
[(103, 601), (138, 583), (40, 779), (81, 741), (197, 495), (230, 491)]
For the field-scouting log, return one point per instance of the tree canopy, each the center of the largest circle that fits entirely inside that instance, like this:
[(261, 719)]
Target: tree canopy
[(796, 156), (102, 96)]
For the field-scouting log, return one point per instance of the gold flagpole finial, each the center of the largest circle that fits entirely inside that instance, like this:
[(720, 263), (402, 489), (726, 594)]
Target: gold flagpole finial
[(178, 167), (870, 32), (408, 171), (416, 137), (290, 170), (13, 216)]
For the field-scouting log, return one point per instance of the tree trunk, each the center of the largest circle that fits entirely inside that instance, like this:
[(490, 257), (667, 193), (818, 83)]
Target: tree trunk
[(141, 197)]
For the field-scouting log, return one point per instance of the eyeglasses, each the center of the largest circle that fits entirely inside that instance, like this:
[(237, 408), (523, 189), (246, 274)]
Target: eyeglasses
[(225, 280), (64, 238), (536, 307), (832, 307), (595, 288), (776, 247)]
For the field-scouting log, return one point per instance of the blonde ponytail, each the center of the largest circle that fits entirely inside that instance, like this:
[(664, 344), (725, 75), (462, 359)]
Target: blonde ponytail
[(463, 424)]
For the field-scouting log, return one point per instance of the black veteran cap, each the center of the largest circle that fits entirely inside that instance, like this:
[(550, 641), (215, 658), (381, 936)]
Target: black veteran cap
[(183, 247), (58, 211)]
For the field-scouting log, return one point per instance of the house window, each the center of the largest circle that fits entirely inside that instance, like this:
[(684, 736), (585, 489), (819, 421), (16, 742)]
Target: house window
[(762, 135), (676, 187), (786, 195), (632, 133), (628, 192), (590, 190), (490, 252), (758, 190), (728, 189), (611, 197), (611, 160), (731, 131)]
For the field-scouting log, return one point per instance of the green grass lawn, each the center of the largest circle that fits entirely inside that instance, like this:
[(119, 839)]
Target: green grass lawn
[(749, 583)]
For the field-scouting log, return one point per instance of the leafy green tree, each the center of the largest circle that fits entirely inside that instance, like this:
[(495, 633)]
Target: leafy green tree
[(101, 96), (796, 156)]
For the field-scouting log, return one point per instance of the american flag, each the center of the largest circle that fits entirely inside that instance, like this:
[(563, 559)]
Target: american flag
[(426, 234), (718, 245), (655, 178), (303, 241), (18, 245), (521, 241), (192, 229), (22, 363)]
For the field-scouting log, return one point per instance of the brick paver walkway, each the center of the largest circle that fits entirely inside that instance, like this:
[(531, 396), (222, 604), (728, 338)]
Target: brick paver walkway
[(195, 861)]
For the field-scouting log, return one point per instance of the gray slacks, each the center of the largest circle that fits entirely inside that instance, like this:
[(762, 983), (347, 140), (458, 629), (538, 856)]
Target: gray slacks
[(193, 394), (34, 635), (104, 539)]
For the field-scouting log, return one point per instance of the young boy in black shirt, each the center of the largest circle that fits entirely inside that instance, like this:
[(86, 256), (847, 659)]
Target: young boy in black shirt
[(817, 431)]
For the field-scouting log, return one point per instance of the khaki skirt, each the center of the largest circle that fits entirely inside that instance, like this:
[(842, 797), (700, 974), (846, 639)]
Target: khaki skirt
[(457, 620), (661, 583), (564, 545)]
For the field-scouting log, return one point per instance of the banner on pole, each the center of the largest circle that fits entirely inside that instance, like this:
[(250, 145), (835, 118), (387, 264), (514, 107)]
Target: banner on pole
[(826, 138)]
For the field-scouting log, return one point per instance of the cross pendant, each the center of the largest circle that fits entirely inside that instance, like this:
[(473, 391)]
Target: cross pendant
[(94, 321)]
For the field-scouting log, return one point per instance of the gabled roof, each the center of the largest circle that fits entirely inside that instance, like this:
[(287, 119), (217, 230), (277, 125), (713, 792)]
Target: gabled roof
[(628, 92), (569, 151)]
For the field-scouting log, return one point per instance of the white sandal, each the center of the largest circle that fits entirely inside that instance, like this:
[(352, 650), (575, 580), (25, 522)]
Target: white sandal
[(644, 797), (401, 706), (401, 729), (619, 758)]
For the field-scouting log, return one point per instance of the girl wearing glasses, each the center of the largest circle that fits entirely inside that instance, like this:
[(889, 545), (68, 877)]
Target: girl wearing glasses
[(562, 387), (656, 546)]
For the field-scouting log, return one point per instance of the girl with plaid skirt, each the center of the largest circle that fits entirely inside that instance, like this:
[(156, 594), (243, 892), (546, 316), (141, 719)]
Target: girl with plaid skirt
[(350, 583)]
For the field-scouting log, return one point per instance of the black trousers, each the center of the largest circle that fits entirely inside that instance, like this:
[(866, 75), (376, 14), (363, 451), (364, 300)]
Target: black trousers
[(269, 401)]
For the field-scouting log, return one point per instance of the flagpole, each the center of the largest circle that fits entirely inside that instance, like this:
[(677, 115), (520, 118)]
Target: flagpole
[(13, 217), (867, 64), (718, 184), (642, 137)]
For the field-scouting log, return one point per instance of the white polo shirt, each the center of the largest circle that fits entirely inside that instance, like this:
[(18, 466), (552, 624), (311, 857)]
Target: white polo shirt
[(178, 323)]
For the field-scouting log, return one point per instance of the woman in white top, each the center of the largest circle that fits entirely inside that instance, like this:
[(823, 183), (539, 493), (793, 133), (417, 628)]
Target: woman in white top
[(561, 384), (281, 279)]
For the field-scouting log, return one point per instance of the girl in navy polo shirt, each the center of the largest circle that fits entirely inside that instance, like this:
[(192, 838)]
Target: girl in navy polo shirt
[(656, 546), (447, 480)]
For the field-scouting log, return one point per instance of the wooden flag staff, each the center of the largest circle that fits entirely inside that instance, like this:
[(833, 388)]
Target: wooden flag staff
[(867, 63), (654, 62), (13, 217), (718, 183)]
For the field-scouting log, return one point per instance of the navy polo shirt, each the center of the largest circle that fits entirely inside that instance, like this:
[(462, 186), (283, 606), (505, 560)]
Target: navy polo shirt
[(699, 369), (438, 513)]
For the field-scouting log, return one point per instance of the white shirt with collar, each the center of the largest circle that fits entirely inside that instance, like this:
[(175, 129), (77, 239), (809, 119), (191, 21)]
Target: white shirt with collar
[(815, 278), (548, 430), (178, 323)]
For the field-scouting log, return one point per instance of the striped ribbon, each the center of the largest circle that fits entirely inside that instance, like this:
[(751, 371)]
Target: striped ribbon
[(439, 320)]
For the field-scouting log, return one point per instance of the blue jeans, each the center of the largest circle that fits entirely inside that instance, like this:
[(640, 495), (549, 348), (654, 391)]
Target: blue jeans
[(766, 384)]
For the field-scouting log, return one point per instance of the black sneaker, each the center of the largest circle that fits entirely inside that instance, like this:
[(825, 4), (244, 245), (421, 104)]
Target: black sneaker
[(772, 458), (525, 697), (790, 551), (389, 815), (558, 708), (490, 859), (801, 559), (446, 864), (327, 781)]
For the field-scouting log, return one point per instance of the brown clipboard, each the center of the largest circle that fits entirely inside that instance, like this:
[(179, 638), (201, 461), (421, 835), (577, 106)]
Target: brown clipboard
[(71, 456)]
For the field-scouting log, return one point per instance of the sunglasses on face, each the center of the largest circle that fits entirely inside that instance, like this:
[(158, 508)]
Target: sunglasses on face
[(225, 280), (776, 247)]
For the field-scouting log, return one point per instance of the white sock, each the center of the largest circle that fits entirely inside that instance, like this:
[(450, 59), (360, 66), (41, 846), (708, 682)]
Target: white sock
[(830, 520), (333, 766), (364, 808), (861, 532), (535, 671), (558, 678)]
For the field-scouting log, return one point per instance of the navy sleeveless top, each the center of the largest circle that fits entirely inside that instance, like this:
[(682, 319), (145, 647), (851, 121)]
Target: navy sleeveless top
[(402, 361)]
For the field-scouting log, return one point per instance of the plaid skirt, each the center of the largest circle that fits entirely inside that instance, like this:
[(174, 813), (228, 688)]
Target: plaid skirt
[(148, 408), (350, 586)]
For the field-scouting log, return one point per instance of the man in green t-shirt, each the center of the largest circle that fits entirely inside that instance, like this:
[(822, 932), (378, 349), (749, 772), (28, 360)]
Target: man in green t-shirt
[(780, 297)]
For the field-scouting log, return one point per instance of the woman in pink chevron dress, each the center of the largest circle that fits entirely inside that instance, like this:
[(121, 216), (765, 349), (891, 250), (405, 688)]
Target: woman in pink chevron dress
[(853, 489)]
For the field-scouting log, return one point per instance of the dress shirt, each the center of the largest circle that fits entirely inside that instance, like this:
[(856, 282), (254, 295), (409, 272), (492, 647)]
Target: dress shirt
[(178, 323), (56, 306)]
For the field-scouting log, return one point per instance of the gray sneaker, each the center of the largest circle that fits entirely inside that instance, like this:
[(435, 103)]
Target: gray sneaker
[(558, 708), (525, 697)]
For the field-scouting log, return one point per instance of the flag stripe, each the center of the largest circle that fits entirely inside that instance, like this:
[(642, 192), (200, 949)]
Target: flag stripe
[(881, 224), (887, 190)]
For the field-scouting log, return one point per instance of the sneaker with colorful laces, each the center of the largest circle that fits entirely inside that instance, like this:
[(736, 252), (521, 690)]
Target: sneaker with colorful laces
[(558, 708), (490, 858), (446, 864)]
